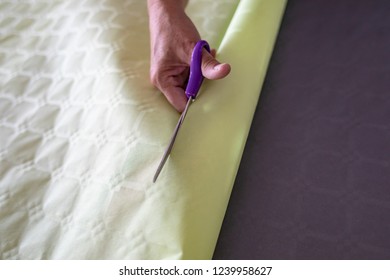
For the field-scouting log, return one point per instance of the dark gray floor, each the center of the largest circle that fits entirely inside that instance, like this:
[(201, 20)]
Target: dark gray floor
[(314, 180)]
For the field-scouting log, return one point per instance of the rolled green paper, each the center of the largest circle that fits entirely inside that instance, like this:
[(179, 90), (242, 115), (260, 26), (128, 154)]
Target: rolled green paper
[(207, 154)]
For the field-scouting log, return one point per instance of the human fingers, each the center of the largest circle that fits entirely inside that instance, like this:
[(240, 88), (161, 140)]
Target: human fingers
[(211, 68), (213, 52), (171, 82), (176, 97)]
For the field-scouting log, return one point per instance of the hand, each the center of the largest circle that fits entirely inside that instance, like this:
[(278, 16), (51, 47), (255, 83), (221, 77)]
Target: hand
[(173, 37)]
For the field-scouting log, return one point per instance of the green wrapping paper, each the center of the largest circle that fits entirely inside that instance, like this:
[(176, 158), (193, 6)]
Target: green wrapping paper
[(82, 131), (206, 156)]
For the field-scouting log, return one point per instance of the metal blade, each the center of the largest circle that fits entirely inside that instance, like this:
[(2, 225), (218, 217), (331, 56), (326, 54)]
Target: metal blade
[(173, 138)]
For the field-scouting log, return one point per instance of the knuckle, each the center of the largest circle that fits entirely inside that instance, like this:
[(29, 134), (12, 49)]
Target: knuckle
[(154, 76), (209, 63)]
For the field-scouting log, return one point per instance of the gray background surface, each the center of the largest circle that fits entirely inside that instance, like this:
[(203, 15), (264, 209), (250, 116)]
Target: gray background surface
[(314, 180)]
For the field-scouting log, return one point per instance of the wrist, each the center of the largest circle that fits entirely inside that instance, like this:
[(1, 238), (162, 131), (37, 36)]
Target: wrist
[(166, 7), (165, 18)]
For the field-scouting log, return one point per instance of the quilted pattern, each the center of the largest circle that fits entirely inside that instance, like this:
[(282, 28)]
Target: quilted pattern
[(76, 109)]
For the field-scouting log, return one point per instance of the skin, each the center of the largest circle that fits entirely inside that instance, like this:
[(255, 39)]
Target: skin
[(173, 37)]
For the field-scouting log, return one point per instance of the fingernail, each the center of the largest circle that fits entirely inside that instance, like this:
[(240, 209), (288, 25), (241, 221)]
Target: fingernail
[(217, 67)]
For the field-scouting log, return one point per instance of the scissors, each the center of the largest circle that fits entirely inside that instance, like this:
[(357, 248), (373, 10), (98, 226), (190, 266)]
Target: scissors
[(194, 82)]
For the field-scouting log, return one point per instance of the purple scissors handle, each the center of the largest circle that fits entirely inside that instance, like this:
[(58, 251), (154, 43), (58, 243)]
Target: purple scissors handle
[(194, 82), (196, 78)]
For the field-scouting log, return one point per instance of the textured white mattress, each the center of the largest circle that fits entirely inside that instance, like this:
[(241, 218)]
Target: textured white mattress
[(82, 132)]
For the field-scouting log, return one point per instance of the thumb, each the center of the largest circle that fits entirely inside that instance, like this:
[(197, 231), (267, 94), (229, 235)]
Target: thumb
[(212, 69)]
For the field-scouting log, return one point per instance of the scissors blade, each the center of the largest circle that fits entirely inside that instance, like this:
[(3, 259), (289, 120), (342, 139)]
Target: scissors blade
[(173, 138)]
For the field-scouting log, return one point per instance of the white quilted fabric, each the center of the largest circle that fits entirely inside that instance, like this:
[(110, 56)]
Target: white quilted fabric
[(82, 130)]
